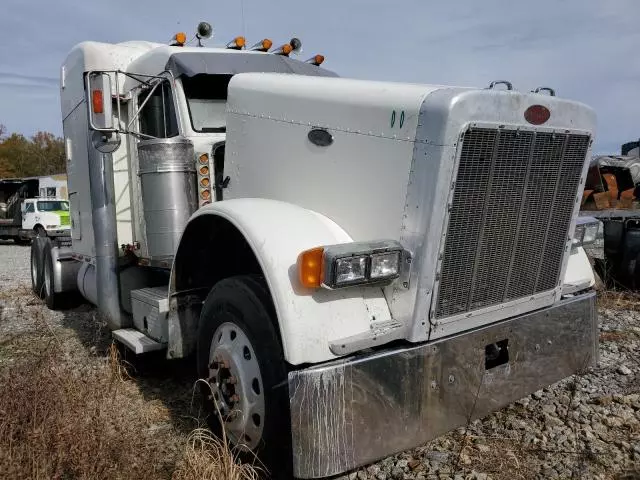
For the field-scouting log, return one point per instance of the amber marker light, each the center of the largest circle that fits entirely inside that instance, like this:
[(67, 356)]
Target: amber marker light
[(180, 38), (237, 43), (310, 267)]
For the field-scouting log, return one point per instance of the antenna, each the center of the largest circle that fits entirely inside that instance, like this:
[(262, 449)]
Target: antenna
[(244, 25)]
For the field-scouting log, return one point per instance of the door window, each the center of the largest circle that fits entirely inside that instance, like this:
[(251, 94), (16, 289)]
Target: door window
[(158, 115), (30, 208)]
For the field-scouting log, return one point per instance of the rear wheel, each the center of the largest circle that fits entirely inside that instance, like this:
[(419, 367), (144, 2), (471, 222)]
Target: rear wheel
[(240, 356), (37, 273), (52, 299)]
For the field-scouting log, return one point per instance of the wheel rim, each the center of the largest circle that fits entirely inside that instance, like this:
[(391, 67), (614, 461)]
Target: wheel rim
[(236, 384)]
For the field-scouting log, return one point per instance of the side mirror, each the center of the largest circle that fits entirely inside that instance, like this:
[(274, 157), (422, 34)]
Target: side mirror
[(23, 207), (98, 94)]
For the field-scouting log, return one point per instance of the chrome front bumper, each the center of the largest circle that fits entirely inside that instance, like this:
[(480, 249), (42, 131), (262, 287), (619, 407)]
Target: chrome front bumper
[(357, 410)]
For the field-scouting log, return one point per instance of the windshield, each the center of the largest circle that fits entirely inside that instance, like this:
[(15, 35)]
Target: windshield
[(206, 99), (53, 206)]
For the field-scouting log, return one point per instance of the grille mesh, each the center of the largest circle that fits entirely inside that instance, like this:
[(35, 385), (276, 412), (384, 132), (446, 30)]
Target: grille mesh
[(511, 210)]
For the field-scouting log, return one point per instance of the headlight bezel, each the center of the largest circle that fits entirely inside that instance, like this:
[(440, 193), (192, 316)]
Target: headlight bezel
[(366, 252)]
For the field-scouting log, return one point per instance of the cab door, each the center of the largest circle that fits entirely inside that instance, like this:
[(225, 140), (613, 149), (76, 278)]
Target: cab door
[(28, 215)]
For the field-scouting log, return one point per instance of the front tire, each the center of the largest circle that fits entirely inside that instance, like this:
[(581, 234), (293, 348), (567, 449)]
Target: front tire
[(239, 354)]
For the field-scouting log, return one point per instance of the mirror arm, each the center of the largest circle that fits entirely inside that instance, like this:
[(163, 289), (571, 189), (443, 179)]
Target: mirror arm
[(143, 104)]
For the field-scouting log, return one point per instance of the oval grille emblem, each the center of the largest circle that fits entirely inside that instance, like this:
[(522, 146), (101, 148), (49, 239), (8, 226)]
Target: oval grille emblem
[(537, 114)]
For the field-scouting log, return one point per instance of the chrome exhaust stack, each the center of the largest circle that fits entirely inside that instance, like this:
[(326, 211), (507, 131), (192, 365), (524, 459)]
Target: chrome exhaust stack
[(103, 214)]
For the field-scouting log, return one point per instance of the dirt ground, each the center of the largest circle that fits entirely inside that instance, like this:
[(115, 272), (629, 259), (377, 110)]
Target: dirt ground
[(71, 408)]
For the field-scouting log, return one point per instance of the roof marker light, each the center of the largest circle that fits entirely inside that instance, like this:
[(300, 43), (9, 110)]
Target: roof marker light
[(179, 39), (316, 60), (262, 45), (284, 50), (237, 43)]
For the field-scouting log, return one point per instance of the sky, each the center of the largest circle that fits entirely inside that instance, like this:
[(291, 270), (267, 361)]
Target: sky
[(586, 49)]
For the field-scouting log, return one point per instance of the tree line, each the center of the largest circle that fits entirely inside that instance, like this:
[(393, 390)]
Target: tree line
[(40, 154)]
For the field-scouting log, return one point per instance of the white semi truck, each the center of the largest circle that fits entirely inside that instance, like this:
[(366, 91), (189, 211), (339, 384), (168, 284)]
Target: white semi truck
[(357, 266), (24, 214)]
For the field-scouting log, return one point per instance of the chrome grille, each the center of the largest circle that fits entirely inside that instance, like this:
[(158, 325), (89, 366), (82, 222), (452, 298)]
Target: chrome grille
[(511, 211)]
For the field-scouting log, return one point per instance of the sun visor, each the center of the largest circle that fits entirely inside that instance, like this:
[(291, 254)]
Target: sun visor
[(195, 63)]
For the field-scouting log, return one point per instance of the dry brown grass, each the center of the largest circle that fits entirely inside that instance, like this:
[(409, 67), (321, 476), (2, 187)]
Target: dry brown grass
[(619, 300), (59, 420), (209, 458), (615, 336), (64, 416)]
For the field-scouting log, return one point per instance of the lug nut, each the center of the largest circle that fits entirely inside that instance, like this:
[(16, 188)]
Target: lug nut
[(231, 380)]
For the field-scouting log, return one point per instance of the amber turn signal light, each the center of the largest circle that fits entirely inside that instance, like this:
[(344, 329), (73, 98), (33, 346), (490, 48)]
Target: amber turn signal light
[(310, 267)]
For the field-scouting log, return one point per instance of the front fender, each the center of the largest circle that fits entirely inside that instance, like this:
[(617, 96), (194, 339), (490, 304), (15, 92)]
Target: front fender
[(309, 320)]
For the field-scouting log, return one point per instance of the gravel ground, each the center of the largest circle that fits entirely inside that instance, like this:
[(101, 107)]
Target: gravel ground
[(587, 426), (14, 263)]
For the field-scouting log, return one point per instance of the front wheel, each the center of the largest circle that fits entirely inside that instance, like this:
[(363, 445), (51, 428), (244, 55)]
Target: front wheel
[(240, 356)]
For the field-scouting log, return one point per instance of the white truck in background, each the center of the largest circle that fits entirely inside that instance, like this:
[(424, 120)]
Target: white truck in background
[(357, 266), (31, 206)]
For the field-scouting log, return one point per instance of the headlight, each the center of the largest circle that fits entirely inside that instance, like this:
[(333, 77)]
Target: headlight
[(349, 270), (385, 265), (347, 264), (588, 230)]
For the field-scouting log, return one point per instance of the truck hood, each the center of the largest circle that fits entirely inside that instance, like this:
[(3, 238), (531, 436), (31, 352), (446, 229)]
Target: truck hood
[(56, 217)]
